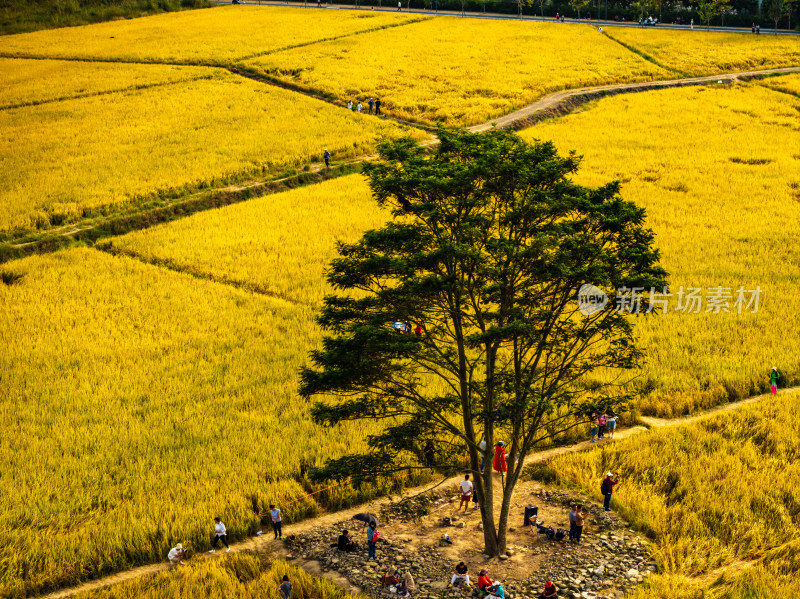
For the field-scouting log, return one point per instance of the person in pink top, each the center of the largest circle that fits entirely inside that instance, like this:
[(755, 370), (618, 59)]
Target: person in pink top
[(601, 426)]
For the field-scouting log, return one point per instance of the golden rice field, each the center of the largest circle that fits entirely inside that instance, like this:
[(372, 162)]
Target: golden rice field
[(789, 84), (104, 150), (716, 170), (38, 81), (279, 245), (138, 404), (240, 575), (719, 492), (429, 71), (215, 36), (701, 52)]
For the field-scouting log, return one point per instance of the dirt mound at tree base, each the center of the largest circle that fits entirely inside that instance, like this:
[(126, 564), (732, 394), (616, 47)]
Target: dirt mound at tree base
[(611, 560)]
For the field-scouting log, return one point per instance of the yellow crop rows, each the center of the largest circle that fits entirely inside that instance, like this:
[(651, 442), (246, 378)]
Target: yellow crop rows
[(789, 84), (36, 81), (280, 244), (214, 36), (139, 403), (710, 493), (92, 152), (706, 53), (716, 171), (239, 575), (459, 71)]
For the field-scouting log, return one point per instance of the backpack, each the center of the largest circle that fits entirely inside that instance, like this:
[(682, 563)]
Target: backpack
[(560, 534), (604, 486)]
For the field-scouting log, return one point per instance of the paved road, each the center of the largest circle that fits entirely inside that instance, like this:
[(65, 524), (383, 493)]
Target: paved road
[(498, 17)]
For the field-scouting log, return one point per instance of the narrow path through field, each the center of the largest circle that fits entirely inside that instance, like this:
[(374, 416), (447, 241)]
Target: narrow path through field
[(549, 106), (265, 544)]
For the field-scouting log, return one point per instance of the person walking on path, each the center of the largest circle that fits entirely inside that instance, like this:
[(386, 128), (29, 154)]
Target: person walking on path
[(461, 574), (429, 452), (691, 25), (601, 426), (220, 534), (275, 514), (371, 104), (372, 536), (580, 520), (607, 488), (377, 107), (499, 463), (175, 556), (572, 513), (611, 424), (327, 156), (399, 6), (286, 588), (774, 377), (466, 493)]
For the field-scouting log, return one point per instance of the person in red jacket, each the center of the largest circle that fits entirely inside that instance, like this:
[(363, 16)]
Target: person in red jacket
[(499, 464), (484, 582)]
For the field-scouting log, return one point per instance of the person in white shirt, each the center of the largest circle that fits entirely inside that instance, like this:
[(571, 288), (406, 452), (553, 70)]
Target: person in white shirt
[(275, 514), (175, 556), (220, 534), (466, 492)]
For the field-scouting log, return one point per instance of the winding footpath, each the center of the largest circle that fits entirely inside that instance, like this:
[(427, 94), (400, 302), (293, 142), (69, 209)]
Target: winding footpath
[(265, 544)]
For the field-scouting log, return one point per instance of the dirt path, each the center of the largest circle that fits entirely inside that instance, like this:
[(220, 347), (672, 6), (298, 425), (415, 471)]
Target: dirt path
[(266, 544), (563, 101)]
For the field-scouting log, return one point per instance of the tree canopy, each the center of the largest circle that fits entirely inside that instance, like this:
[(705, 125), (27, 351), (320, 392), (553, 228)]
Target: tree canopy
[(489, 243)]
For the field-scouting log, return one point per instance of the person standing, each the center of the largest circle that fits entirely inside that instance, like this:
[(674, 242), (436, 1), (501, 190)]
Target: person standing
[(466, 493), (499, 463), (594, 434), (377, 107), (430, 454), (286, 588), (482, 451), (275, 514), (327, 156), (607, 488), (572, 513), (371, 104), (580, 520), (220, 534), (691, 25), (774, 377), (601, 426), (349, 105), (372, 536), (359, 108), (399, 5), (758, 29), (611, 423), (175, 556)]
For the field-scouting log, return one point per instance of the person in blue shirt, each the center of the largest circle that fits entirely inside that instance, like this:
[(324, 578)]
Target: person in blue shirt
[(286, 588)]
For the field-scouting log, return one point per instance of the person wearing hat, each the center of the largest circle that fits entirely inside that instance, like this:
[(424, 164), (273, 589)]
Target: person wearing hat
[(327, 157), (175, 556), (499, 464), (496, 590), (484, 582), (550, 591), (774, 376), (607, 489)]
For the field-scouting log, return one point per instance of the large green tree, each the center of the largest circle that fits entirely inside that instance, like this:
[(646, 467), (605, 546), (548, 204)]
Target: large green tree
[(489, 244), (776, 10)]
